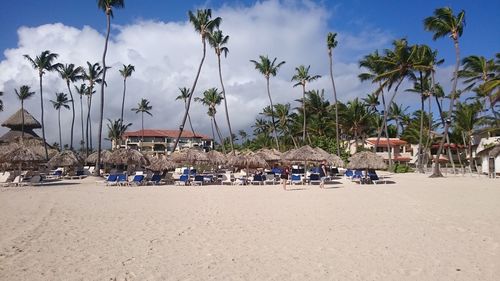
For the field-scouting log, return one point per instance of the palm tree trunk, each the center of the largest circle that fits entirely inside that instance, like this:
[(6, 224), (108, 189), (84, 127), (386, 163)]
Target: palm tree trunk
[(81, 118), (73, 117), (89, 106), (213, 131), (225, 106), (60, 135), (99, 140), (181, 127), (336, 104), (142, 129), (420, 136), (220, 135), (123, 98), (304, 112), (437, 173), (189, 120), (272, 114), (43, 122), (22, 125)]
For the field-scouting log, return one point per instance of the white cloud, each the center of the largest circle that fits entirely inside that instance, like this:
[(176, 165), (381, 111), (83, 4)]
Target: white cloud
[(166, 56)]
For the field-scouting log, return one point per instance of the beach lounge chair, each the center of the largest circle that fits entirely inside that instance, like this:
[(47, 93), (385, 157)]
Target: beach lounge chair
[(375, 178), (137, 180), (227, 178), (111, 180), (155, 180), (334, 172), (270, 179), (314, 179), (18, 181), (258, 179), (183, 180), (198, 180), (357, 176), (296, 179), (122, 179), (348, 174), (35, 180), (4, 177)]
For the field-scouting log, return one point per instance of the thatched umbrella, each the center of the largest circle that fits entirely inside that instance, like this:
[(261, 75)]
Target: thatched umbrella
[(34, 144), (191, 156), (270, 155), (127, 156), (304, 153), (21, 155), (247, 160), (160, 164), (92, 158), (366, 160), (216, 158), (332, 159), (66, 158)]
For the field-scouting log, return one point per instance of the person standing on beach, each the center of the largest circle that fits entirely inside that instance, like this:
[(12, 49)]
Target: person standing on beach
[(284, 176), (322, 173)]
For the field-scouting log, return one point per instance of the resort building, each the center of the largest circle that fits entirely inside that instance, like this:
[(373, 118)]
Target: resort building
[(160, 142), (401, 151)]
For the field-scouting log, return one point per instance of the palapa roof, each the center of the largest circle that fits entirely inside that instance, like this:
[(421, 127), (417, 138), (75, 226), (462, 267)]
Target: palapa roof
[(160, 164), (217, 158), (366, 160), (16, 121), (66, 158), (17, 133), (127, 156), (247, 160), (35, 144), (332, 159), (105, 154), (304, 153), (269, 154), (21, 154), (190, 155)]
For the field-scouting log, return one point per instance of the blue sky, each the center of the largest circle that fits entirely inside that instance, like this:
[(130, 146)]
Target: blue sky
[(399, 18), (157, 38)]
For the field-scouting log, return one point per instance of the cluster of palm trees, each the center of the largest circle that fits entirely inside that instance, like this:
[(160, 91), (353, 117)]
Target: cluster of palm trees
[(315, 121)]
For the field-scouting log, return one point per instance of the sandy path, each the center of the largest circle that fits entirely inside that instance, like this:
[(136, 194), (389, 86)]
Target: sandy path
[(417, 229)]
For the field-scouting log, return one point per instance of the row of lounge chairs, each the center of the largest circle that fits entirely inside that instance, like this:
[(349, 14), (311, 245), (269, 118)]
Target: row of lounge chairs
[(136, 180), (363, 177)]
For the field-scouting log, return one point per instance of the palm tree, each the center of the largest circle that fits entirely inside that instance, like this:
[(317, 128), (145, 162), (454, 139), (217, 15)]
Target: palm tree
[(331, 43), (125, 72), (466, 119), (204, 25), (398, 113), (445, 23), (217, 40), (356, 119), (70, 74), (107, 6), (92, 75), (303, 77), (1, 102), (82, 91), (243, 135), (285, 118), (60, 102), (476, 69), (44, 62), (212, 98), (269, 68), (143, 107), (116, 129), (23, 94), (184, 96)]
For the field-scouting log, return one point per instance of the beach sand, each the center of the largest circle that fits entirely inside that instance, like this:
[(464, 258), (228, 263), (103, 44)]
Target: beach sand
[(415, 229)]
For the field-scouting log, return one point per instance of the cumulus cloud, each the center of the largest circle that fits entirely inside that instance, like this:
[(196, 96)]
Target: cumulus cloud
[(166, 56)]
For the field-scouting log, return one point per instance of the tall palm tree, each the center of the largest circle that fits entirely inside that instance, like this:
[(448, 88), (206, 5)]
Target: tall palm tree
[(331, 43), (185, 92), (243, 135), (92, 75), (143, 107), (125, 72), (466, 120), (23, 94), (356, 119), (398, 113), (204, 25), (107, 6), (217, 40), (303, 77), (116, 129), (445, 23), (284, 120), (478, 70), (70, 74), (44, 62), (212, 98), (61, 101), (82, 91), (269, 68)]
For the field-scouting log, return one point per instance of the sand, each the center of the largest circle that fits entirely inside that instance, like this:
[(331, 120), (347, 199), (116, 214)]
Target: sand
[(415, 229)]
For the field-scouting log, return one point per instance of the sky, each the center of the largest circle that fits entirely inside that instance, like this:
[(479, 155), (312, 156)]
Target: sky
[(156, 37)]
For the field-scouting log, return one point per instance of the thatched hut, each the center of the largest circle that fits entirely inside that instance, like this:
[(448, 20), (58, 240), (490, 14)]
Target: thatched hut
[(66, 158), (190, 156), (366, 160), (160, 164), (127, 156), (216, 158), (15, 124), (332, 159), (247, 160), (304, 153), (270, 155), (92, 158)]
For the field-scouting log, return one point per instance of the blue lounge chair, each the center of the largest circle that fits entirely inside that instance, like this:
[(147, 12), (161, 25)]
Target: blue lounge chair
[(198, 180), (137, 180), (155, 179), (374, 177), (258, 179), (122, 179), (183, 180), (348, 174), (111, 180), (314, 179), (296, 179)]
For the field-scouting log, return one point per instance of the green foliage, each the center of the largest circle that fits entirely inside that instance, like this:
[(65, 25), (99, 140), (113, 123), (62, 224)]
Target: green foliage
[(329, 144), (398, 168)]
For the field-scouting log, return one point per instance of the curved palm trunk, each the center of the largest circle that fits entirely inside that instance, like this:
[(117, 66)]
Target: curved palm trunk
[(142, 131), (188, 106), (43, 122), (336, 104), (87, 131), (420, 137), (73, 117), (272, 114), (189, 120), (123, 98), (304, 112), (60, 135), (81, 117), (437, 173), (220, 135), (22, 120), (99, 140), (225, 106)]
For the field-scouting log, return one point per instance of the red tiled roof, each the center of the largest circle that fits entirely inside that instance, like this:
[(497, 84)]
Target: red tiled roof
[(165, 134), (402, 159), (383, 141), (451, 145)]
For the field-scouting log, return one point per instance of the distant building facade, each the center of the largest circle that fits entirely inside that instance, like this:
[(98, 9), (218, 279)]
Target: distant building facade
[(401, 151), (160, 142)]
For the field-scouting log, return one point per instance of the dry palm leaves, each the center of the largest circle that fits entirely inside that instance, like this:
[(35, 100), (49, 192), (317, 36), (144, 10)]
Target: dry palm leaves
[(366, 160), (66, 158), (127, 156)]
